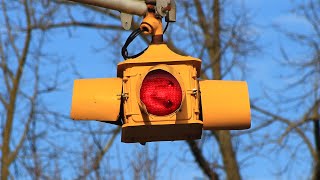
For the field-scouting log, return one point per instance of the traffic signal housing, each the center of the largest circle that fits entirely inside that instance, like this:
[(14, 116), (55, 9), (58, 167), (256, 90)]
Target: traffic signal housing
[(158, 97)]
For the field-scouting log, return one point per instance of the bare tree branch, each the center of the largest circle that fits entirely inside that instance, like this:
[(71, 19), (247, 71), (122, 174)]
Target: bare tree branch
[(5, 161), (201, 161)]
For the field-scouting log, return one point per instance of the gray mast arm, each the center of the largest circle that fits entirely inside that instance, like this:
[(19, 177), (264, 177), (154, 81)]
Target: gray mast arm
[(125, 6), (164, 8)]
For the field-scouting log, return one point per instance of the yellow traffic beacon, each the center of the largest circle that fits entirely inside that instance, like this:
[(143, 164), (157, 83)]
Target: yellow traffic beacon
[(157, 96)]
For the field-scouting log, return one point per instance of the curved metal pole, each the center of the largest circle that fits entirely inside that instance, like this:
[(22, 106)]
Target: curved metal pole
[(125, 6)]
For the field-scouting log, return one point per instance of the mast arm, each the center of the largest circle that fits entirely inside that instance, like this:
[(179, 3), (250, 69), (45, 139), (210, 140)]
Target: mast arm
[(125, 6)]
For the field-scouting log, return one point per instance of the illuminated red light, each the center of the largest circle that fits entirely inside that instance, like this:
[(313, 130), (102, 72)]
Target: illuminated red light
[(161, 93)]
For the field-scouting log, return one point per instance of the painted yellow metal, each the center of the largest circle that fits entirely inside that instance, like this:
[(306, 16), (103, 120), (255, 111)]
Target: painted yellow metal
[(139, 126), (225, 104), (183, 124), (159, 54), (134, 111), (96, 99), (151, 24)]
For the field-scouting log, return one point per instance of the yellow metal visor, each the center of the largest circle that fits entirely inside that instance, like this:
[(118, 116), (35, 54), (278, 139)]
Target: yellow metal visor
[(225, 104), (96, 99)]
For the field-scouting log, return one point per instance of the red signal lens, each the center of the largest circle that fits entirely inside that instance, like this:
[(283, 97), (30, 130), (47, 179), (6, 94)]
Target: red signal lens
[(161, 93)]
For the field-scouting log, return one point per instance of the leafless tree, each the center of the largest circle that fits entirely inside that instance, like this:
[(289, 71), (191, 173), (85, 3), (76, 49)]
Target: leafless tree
[(31, 143), (300, 130), (26, 80), (145, 163)]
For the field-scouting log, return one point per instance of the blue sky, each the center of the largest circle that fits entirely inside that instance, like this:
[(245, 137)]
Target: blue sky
[(264, 70)]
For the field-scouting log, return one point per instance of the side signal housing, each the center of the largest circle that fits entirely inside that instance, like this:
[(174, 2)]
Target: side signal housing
[(225, 105), (97, 99)]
